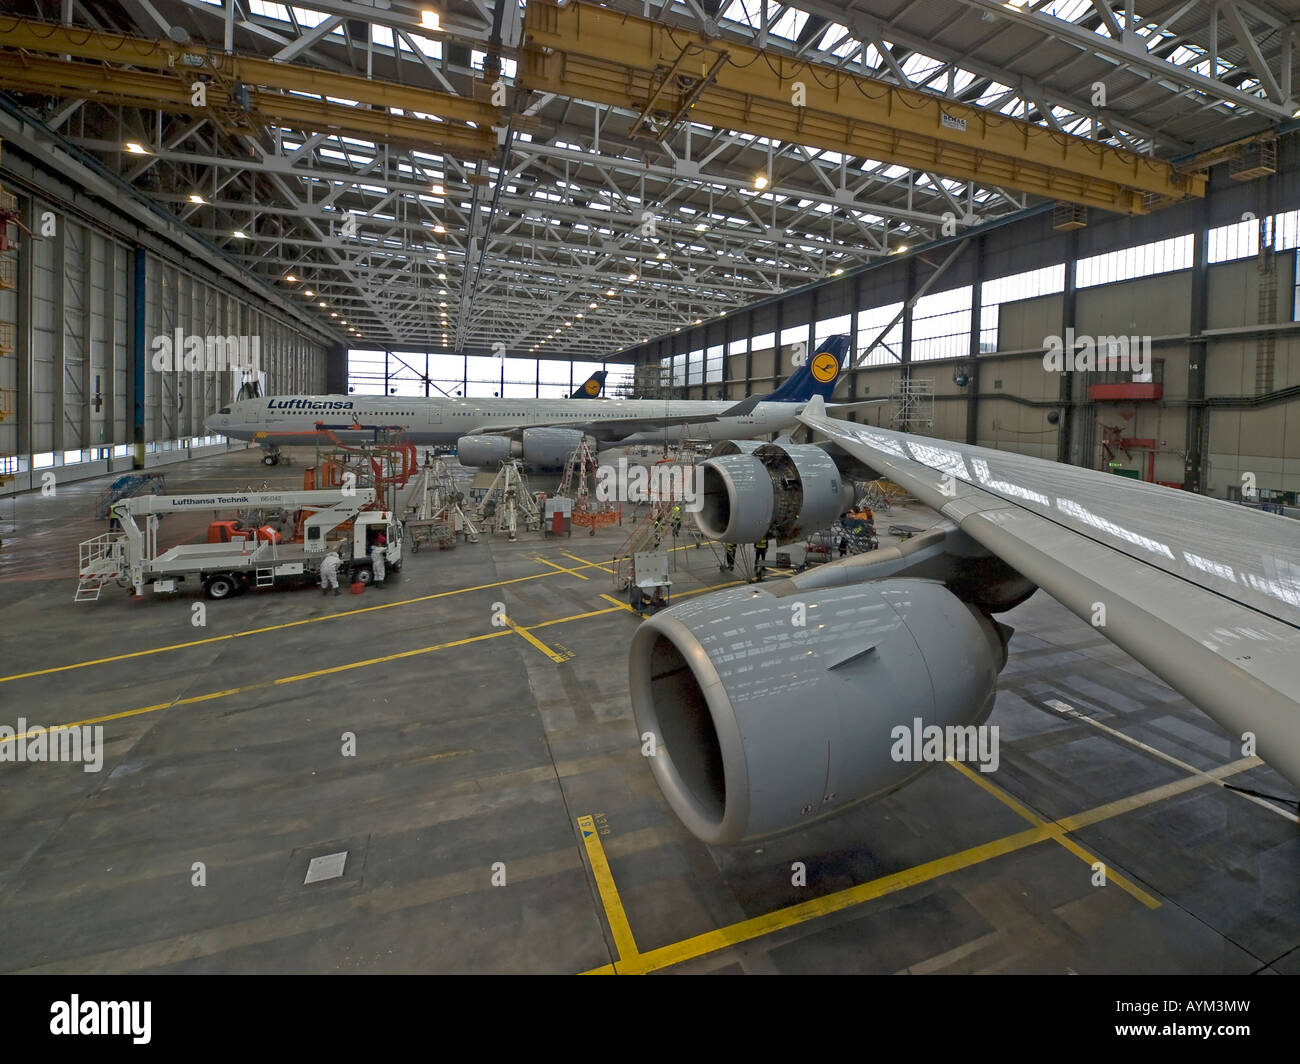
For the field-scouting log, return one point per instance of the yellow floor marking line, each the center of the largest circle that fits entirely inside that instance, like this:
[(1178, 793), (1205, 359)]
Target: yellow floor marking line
[(286, 624), (1058, 834), (561, 568), (193, 699), (614, 914), (620, 605), (554, 655), (1068, 710), (594, 565), (746, 930)]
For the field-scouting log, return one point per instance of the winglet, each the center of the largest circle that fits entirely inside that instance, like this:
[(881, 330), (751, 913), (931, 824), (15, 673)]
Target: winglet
[(815, 407)]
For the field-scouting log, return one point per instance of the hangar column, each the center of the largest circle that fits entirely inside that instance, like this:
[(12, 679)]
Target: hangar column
[(1198, 350), (138, 360)]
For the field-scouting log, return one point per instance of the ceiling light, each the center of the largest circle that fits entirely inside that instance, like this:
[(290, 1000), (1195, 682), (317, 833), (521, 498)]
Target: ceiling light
[(334, 313), (442, 256), (239, 234), (309, 293), (900, 249), (591, 306), (439, 228), (567, 324), (662, 255), (697, 321), (837, 271), (581, 314), (701, 227), (196, 198), (609, 292), (631, 276), (321, 303), (429, 21), (442, 276), (344, 321), (760, 181), (136, 148), (290, 278)]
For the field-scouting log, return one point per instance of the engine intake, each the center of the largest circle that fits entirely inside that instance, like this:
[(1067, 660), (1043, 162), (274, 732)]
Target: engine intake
[(771, 711), (782, 491)]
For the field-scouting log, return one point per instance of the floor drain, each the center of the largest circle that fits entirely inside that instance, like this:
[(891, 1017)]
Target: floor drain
[(328, 867)]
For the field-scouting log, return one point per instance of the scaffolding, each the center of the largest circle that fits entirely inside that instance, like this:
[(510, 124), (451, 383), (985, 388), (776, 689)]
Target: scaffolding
[(914, 410), (579, 485), (509, 504), (432, 513)]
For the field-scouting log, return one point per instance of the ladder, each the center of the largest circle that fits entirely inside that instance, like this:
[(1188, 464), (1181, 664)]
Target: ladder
[(265, 578), (88, 589)]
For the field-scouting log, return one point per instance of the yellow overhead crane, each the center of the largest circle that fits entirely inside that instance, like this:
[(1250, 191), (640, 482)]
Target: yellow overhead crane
[(669, 75), (243, 93)]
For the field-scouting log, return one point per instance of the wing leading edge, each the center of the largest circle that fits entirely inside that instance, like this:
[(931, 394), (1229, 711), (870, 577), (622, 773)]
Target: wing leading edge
[(1204, 593)]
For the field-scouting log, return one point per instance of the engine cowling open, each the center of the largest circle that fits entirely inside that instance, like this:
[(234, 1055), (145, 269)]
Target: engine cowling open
[(771, 711), (780, 491)]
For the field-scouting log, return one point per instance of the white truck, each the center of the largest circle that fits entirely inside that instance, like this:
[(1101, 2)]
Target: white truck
[(131, 558)]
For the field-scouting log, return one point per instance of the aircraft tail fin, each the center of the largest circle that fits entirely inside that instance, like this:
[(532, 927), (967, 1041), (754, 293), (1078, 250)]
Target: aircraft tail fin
[(818, 375), (591, 387)]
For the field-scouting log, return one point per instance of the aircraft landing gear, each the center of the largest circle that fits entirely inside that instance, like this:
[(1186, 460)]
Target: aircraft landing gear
[(271, 458)]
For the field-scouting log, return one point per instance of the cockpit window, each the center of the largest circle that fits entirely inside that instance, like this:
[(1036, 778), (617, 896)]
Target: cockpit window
[(224, 410)]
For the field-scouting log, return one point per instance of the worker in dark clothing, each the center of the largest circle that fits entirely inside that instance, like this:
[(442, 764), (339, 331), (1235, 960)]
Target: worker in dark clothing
[(844, 545), (731, 555)]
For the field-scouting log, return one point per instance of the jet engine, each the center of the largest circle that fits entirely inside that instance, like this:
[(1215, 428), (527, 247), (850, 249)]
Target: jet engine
[(543, 449), (782, 491), (771, 710)]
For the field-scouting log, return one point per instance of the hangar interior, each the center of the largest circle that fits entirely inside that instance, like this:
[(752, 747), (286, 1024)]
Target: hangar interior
[(478, 200)]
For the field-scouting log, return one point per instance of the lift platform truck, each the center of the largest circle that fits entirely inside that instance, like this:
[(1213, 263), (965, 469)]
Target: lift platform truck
[(131, 558)]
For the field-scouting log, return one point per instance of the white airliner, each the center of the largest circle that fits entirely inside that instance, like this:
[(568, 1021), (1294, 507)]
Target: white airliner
[(543, 432)]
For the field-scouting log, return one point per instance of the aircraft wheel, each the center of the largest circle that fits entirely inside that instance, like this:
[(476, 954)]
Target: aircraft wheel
[(270, 459)]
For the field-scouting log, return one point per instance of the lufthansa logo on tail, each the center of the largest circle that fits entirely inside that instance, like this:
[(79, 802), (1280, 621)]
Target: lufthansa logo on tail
[(825, 367), (592, 387)]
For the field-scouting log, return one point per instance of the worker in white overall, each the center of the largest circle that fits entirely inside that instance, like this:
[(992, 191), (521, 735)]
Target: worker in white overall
[(377, 552), (329, 572)]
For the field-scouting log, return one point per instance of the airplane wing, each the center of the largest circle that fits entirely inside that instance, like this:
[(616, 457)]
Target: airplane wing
[(1204, 593)]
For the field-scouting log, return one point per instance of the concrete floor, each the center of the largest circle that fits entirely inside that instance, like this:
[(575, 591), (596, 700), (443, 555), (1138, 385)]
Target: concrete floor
[(477, 751)]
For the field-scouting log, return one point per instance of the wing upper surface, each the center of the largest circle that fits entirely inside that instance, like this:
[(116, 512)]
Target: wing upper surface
[(1205, 593)]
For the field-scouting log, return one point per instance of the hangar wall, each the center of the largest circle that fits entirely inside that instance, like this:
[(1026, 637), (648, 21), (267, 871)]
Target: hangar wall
[(86, 302)]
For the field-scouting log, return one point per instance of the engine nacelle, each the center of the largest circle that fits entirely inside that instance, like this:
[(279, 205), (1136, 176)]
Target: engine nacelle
[(484, 452), (549, 449), (771, 711), (544, 450), (782, 491)]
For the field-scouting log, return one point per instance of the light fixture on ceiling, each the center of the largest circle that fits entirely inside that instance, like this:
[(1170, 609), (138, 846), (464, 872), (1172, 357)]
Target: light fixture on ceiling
[(900, 249), (309, 293), (334, 313), (631, 275), (290, 278), (610, 292), (442, 256), (321, 303), (760, 182), (134, 147), (196, 198), (837, 271), (239, 234), (701, 227), (662, 255), (430, 20), (698, 321), (591, 306)]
